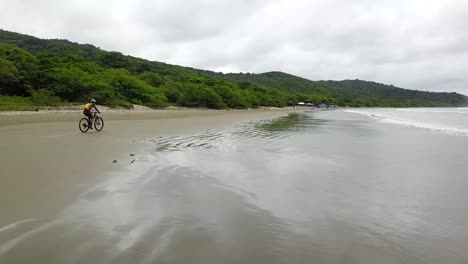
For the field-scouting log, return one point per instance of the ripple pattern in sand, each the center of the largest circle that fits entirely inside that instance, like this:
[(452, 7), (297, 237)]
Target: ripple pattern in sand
[(266, 131)]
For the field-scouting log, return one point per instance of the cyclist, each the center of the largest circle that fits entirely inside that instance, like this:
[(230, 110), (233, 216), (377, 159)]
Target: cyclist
[(87, 112)]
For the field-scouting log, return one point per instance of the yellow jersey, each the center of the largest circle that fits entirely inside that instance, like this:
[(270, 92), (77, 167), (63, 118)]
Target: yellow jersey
[(88, 106)]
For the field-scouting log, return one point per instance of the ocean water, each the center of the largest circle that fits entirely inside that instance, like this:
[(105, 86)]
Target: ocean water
[(444, 120), (353, 186)]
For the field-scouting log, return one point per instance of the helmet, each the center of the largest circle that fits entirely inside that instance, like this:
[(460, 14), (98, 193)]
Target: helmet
[(93, 101)]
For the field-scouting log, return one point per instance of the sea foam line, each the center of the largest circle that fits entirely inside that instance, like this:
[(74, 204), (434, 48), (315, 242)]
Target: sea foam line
[(411, 123), (15, 224), (437, 110)]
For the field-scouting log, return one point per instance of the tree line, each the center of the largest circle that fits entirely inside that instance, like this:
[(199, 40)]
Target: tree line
[(54, 72), (73, 79)]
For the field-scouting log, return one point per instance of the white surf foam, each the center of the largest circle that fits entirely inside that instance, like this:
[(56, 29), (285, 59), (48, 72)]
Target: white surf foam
[(459, 110), (390, 119), (13, 225)]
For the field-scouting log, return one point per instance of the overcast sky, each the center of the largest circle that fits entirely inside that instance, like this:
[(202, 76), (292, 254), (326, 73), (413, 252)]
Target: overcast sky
[(414, 44)]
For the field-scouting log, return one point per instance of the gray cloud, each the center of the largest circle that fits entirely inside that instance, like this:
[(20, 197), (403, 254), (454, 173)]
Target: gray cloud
[(413, 44)]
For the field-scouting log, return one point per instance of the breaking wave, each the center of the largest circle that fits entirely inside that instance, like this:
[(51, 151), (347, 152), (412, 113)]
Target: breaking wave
[(392, 117)]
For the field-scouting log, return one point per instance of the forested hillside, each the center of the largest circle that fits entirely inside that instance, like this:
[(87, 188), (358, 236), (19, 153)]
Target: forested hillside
[(349, 92), (53, 72)]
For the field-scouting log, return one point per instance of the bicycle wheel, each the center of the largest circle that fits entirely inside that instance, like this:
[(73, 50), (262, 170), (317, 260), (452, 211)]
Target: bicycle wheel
[(98, 123), (84, 125)]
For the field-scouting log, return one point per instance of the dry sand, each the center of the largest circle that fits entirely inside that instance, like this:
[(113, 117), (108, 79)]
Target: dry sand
[(45, 161)]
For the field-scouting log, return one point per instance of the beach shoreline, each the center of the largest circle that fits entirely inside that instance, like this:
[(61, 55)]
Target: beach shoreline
[(8, 118), (46, 162), (275, 187)]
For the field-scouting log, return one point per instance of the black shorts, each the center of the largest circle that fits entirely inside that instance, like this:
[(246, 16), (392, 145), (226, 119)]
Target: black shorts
[(87, 113)]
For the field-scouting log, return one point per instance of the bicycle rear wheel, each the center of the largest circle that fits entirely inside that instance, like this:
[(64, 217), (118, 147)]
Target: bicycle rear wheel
[(83, 125), (98, 123)]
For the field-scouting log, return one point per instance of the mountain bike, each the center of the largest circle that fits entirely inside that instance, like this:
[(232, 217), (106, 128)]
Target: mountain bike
[(85, 123)]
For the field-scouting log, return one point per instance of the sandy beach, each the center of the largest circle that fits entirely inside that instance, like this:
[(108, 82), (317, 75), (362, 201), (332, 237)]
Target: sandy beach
[(46, 161), (247, 186)]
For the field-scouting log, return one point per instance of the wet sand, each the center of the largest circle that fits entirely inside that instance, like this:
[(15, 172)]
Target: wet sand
[(46, 162), (323, 187)]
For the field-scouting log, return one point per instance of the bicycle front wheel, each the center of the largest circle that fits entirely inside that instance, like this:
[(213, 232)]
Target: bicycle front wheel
[(98, 123), (83, 125)]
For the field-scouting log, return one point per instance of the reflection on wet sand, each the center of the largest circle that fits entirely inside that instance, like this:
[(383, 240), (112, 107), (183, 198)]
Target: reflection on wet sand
[(278, 191)]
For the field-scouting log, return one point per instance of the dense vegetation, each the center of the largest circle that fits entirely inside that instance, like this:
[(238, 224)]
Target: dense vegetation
[(36, 72), (349, 92)]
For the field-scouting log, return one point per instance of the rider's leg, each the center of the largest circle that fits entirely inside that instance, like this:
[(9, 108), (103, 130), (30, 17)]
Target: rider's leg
[(92, 121), (88, 116)]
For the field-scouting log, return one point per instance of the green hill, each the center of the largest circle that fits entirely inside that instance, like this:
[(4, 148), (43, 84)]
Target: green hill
[(41, 72), (348, 92)]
